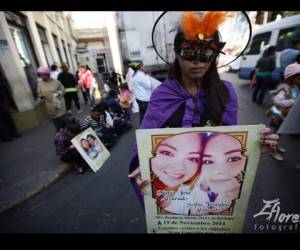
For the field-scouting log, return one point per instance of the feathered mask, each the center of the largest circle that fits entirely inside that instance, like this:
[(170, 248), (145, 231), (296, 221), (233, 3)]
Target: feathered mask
[(197, 27)]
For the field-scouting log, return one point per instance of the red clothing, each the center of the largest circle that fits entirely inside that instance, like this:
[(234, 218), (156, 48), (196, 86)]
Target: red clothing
[(86, 79)]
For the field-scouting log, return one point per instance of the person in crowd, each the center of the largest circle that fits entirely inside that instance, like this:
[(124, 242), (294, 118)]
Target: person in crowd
[(125, 100), (65, 149), (77, 75), (54, 72), (193, 95), (141, 87), (98, 120), (288, 56), (86, 83), (290, 125), (128, 79), (70, 84), (113, 81), (52, 91), (284, 97), (120, 124), (8, 129), (264, 67)]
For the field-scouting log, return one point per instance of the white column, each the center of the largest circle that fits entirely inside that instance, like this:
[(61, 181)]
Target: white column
[(13, 69), (36, 40), (50, 39)]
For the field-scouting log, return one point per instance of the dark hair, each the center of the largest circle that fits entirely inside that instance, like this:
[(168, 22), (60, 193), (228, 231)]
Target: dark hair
[(217, 93), (269, 51), (100, 107), (53, 67), (65, 67), (74, 127), (89, 135), (123, 86), (112, 93)]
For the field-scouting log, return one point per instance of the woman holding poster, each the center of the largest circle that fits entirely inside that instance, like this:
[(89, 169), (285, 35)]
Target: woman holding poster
[(194, 95)]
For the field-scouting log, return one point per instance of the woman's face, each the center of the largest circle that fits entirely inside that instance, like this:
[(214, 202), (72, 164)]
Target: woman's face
[(192, 69), (222, 162), (177, 159), (85, 144)]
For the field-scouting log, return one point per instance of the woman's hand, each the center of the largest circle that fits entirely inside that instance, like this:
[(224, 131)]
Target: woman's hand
[(268, 140), (136, 174)]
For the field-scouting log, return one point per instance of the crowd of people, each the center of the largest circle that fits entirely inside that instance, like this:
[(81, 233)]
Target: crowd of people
[(109, 118), (284, 93)]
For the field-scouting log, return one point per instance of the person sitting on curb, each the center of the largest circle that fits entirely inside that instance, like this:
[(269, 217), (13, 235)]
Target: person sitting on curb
[(65, 149), (113, 107), (98, 120), (284, 97), (125, 101)]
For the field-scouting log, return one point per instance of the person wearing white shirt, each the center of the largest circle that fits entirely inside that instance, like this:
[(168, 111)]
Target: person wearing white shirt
[(54, 72), (142, 89)]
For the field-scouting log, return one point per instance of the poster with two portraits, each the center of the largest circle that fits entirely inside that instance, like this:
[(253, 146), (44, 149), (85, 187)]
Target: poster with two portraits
[(201, 178), (91, 149)]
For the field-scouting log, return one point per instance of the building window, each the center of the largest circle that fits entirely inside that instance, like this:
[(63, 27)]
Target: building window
[(57, 48), (45, 45), (135, 54), (64, 48), (101, 63), (20, 35)]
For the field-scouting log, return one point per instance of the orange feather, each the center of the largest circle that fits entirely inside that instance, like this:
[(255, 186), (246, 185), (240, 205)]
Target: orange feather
[(211, 22), (192, 24)]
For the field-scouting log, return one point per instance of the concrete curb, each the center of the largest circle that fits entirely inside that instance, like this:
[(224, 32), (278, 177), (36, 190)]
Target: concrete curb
[(62, 170)]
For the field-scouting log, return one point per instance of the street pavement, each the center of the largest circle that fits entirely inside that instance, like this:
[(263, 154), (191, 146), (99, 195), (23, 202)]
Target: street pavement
[(104, 202)]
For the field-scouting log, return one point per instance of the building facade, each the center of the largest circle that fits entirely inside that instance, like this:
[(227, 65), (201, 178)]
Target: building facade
[(93, 49), (29, 39)]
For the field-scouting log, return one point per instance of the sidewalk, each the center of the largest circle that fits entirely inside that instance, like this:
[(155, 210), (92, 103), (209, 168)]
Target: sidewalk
[(29, 164)]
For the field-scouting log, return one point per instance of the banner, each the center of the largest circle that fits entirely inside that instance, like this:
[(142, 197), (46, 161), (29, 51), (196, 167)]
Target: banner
[(91, 148), (201, 178)]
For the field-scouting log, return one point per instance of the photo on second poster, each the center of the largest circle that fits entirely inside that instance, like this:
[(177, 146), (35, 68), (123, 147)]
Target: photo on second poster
[(91, 149)]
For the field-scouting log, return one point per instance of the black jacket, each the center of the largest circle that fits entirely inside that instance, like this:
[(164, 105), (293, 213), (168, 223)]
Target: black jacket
[(67, 79)]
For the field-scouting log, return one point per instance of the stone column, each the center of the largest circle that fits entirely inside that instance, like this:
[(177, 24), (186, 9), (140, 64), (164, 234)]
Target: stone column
[(13, 69)]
